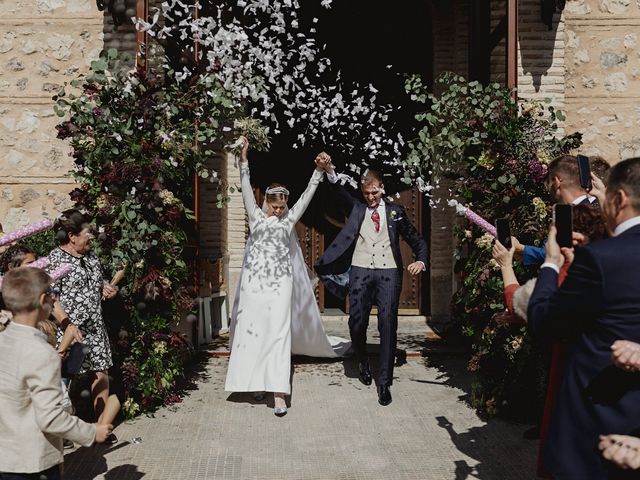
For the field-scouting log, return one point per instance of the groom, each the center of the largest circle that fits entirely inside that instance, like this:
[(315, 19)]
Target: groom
[(364, 261)]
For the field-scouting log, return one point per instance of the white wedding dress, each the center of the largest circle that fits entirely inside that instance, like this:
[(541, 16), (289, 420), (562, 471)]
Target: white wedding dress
[(275, 313)]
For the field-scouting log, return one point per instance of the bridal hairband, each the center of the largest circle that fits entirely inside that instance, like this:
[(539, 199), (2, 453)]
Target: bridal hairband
[(277, 190)]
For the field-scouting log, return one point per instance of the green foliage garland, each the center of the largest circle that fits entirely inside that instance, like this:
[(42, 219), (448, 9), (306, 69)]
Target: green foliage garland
[(494, 154), (136, 140)]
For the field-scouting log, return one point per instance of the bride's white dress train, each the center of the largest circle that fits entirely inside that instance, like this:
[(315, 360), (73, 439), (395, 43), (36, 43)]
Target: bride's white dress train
[(274, 313)]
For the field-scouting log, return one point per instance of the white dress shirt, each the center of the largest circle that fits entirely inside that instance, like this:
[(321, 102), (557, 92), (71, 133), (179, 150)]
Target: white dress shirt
[(626, 225)]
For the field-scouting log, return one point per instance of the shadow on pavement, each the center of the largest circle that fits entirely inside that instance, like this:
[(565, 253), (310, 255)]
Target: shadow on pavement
[(89, 463), (130, 472), (485, 444)]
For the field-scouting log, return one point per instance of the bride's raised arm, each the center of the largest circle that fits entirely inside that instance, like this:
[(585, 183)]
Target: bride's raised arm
[(245, 181), (296, 212)]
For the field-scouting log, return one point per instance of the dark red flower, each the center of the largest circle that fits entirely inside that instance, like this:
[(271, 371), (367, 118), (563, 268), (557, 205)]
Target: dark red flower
[(66, 129), (91, 88)]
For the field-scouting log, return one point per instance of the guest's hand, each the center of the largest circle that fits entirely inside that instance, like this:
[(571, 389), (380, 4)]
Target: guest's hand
[(623, 450), (579, 239), (244, 149), (554, 253), (597, 188), (626, 355), (415, 268), (109, 291), (102, 432), (503, 256), (568, 255), (518, 248), (76, 333)]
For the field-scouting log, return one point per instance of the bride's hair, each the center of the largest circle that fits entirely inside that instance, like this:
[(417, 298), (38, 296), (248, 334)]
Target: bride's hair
[(280, 193)]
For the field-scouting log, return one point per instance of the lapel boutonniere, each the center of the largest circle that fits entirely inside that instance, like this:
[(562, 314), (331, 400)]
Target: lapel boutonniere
[(394, 216)]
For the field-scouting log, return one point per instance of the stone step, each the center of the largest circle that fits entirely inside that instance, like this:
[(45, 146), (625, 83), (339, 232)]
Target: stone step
[(415, 338)]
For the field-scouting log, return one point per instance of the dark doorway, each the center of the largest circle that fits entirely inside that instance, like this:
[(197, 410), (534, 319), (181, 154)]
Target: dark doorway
[(362, 39)]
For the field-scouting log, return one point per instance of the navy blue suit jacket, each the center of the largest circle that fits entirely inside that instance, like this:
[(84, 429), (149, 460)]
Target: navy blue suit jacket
[(598, 303), (333, 267)]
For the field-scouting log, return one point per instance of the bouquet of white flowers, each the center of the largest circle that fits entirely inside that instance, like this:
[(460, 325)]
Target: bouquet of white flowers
[(255, 132)]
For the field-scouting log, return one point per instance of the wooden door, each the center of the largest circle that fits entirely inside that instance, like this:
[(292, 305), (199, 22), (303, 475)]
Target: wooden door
[(321, 224)]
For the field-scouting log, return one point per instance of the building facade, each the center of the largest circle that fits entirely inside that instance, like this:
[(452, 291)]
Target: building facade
[(581, 55)]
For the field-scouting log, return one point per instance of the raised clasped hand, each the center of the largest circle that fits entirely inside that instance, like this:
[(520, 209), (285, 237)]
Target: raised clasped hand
[(323, 160), (244, 150)]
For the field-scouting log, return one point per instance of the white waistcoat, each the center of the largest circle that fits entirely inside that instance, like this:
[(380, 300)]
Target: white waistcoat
[(373, 249)]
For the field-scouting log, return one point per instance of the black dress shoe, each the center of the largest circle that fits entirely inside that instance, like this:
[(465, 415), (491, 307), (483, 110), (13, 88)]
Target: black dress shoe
[(365, 374), (384, 395)]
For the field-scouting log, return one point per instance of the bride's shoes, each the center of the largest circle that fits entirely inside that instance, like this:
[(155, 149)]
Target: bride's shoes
[(279, 405)]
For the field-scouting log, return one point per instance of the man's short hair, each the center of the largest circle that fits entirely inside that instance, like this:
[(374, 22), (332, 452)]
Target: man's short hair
[(565, 167), (370, 176), (626, 176), (22, 287)]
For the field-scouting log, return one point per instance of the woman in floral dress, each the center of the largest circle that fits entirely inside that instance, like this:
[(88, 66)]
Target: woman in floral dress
[(81, 293)]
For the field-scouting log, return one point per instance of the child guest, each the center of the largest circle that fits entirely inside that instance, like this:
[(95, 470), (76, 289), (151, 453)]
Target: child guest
[(32, 420)]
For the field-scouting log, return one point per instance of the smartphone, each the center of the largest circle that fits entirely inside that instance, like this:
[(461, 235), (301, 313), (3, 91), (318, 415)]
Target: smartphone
[(563, 220), (584, 170), (504, 232)]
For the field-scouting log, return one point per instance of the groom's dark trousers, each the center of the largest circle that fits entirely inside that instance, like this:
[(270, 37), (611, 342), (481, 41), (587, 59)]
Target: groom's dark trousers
[(382, 288), (370, 286)]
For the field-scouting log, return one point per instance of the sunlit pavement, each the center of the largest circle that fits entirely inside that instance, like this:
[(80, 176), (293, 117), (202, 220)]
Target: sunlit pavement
[(334, 429)]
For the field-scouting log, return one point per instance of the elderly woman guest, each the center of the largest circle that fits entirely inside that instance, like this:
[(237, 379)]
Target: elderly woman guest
[(81, 293)]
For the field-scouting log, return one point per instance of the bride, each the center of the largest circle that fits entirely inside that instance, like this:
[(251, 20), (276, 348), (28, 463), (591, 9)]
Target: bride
[(275, 313)]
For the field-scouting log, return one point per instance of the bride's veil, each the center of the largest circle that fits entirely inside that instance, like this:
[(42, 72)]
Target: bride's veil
[(307, 331)]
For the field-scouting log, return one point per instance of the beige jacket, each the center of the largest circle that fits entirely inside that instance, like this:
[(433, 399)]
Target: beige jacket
[(32, 422)]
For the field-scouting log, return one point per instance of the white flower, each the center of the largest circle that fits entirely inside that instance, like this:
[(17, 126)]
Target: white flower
[(485, 241)]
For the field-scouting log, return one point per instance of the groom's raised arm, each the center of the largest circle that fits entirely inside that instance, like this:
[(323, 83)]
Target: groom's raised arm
[(346, 200)]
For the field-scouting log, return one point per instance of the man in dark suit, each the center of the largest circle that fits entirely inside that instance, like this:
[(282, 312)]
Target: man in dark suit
[(598, 303), (364, 260)]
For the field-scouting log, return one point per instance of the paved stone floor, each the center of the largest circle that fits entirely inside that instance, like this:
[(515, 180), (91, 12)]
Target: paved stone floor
[(335, 429)]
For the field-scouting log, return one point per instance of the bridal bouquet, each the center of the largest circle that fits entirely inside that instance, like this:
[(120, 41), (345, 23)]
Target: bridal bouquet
[(255, 132)]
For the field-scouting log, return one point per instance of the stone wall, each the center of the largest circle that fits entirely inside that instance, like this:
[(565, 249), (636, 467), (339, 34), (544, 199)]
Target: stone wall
[(236, 232), (602, 78), (43, 44), (541, 56), (223, 231)]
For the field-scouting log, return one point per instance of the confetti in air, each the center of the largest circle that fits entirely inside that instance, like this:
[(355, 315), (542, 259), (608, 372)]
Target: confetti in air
[(264, 57)]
